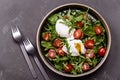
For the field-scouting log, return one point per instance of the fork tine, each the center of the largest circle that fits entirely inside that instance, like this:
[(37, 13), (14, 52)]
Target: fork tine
[(26, 42), (14, 29), (17, 29)]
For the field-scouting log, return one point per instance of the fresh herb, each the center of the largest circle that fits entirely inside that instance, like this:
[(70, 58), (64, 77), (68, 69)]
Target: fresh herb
[(52, 19), (51, 30), (46, 45)]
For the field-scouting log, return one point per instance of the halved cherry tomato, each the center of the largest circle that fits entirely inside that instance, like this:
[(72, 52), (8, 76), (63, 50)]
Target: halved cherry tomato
[(46, 36), (61, 52), (52, 54), (101, 51), (89, 43), (97, 30), (85, 66), (57, 43), (68, 68), (79, 24), (89, 53), (77, 34)]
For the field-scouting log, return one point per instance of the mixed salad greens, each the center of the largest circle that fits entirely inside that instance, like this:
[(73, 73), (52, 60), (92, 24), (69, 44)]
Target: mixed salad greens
[(87, 29)]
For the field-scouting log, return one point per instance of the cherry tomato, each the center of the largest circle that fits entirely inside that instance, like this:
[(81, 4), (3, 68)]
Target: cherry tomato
[(79, 24), (52, 54), (77, 34), (89, 53), (89, 43), (101, 51), (68, 68), (46, 36), (57, 43), (97, 30), (85, 66), (61, 52)]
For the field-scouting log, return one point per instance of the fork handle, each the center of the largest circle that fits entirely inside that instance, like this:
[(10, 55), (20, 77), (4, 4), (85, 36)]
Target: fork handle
[(41, 67), (28, 61)]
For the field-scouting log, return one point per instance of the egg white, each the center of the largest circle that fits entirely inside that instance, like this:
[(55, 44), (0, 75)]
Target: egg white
[(63, 30), (73, 50)]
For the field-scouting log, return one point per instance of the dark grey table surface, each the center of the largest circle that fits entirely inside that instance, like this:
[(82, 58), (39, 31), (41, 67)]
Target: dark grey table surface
[(29, 13)]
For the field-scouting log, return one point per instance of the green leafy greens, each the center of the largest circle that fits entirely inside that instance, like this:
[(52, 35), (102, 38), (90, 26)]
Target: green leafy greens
[(70, 18)]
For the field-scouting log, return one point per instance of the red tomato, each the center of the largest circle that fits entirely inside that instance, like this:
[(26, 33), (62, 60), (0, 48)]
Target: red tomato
[(79, 24), (52, 54), (46, 36), (97, 30), (68, 68), (89, 53), (77, 34), (101, 51), (89, 43), (57, 43), (61, 52), (85, 66)]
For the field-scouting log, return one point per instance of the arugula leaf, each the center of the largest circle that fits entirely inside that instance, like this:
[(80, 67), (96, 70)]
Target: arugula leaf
[(74, 71), (46, 45), (52, 19), (51, 30), (68, 48), (97, 23), (79, 18), (76, 13), (95, 49), (67, 22), (79, 69), (94, 61), (88, 30), (58, 66), (73, 12), (59, 59), (77, 63), (89, 61), (99, 39), (68, 14)]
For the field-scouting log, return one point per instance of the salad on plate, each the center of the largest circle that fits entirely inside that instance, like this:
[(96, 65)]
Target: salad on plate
[(74, 41)]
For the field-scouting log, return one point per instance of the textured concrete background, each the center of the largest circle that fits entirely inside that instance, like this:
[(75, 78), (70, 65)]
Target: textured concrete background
[(29, 13)]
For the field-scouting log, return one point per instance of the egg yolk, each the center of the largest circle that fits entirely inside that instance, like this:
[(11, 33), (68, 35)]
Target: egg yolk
[(78, 47)]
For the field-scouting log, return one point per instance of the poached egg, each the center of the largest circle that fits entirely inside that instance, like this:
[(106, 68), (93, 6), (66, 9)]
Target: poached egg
[(76, 47), (63, 30)]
